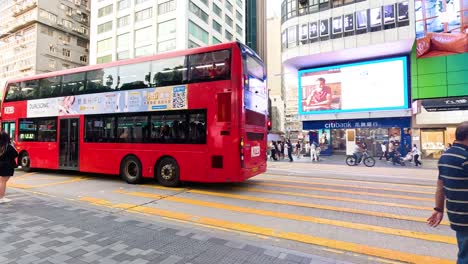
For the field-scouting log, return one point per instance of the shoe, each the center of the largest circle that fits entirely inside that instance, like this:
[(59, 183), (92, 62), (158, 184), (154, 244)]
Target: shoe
[(5, 200)]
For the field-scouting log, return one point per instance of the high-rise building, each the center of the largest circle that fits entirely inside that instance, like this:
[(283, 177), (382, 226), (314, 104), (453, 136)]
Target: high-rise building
[(255, 17), (379, 72), (122, 29), (274, 73), (346, 71), (38, 36)]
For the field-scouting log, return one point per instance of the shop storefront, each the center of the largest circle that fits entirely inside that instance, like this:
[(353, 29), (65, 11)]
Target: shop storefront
[(331, 135), (435, 122)]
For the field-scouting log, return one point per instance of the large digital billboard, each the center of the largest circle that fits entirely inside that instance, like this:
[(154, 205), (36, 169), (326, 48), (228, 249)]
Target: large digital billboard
[(355, 87)]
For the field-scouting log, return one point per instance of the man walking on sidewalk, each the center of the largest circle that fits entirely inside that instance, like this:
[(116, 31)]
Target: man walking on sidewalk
[(452, 187)]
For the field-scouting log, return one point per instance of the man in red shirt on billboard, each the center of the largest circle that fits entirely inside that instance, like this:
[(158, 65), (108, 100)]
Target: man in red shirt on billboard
[(321, 97)]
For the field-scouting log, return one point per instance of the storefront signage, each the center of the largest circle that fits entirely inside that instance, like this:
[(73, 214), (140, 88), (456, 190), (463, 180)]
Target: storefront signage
[(149, 99), (359, 123), (446, 104)]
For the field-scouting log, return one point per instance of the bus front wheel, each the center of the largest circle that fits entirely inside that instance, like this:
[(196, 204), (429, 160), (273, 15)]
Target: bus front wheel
[(130, 170), (167, 172), (25, 162)]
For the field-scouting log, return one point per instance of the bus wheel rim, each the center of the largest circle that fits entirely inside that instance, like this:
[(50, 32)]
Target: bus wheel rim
[(24, 161), (131, 169), (167, 172)]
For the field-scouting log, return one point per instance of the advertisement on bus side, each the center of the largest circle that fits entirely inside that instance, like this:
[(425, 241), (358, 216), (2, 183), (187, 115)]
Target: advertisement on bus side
[(141, 100)]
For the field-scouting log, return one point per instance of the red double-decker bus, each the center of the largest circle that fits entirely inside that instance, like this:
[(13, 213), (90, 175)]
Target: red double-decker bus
[(194, 115)]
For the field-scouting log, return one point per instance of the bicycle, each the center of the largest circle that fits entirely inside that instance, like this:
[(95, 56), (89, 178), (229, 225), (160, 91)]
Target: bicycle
[(366, 158)]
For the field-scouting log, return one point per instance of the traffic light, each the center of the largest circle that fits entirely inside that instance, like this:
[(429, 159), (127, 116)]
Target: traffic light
[(269, 125)]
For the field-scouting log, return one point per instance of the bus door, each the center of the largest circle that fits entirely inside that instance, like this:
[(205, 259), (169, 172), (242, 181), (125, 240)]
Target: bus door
[(10, 128), (68, 145)]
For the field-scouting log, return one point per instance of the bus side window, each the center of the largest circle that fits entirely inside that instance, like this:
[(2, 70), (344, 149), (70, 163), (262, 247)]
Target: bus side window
[(13, 92), (49, 87), (210, 66), (30, 90), (73, 84), (171, 71), (133, 76)]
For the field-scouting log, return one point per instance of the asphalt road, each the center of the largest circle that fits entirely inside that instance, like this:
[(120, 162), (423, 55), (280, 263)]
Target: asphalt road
[(295, 213)]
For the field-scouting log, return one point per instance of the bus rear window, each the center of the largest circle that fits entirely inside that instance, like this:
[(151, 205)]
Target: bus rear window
[(254, 67)]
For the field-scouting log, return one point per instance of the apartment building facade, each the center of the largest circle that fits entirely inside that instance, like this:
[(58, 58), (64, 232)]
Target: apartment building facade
[(122, 29), (38, 36)]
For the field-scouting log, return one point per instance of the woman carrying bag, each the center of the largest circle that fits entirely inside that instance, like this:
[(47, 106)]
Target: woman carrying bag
[(8, 155)]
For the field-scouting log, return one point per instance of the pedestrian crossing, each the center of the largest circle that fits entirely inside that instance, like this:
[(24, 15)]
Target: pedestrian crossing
[(382, 222)]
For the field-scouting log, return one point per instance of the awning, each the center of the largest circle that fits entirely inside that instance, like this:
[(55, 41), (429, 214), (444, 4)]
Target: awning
[(445, 104)]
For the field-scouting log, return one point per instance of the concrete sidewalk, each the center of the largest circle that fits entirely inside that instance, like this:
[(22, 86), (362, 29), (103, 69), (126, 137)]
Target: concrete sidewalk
[(37, 229), (340, 160)]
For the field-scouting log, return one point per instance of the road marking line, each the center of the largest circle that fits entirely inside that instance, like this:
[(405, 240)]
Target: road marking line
[(349, 180), (24, 175), (315, 206), (336, 198), (302, 218), (77, 179), (332, 198), (324, 242), (342, 191), (19, 186)]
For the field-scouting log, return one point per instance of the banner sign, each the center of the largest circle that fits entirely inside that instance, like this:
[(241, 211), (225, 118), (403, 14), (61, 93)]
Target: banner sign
[(445, 104), (141, 100)]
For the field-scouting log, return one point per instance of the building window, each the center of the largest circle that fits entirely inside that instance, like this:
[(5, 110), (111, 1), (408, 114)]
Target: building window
[(239, 3), (239, 16), (216, 41), (47, 30), (166, 7), (123, 4), (143, 14), (166, 30), (105, 27), (123, 41), (217, 10), (228, 6), (228, 35), (292, 36), (84, 58), (217, 26), (52, 64), (198, 12), (229, 21), (123, 55), (67, 23), (198, 32), (166, 45), (205, 2), (107, 10), (143, 51), (104, 59), (66, 52), (82, 43), (144, 35), (52, 48), (123, 21), (104, 45), (139, 1), (192, 44), (238, 29)]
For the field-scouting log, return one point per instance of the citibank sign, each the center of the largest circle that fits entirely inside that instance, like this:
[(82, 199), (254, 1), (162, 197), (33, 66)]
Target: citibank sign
[(338, 125)]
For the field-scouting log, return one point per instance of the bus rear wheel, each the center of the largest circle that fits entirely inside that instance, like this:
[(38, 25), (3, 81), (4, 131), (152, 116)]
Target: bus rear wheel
[(167, 172), (131, 170), (25, 162)]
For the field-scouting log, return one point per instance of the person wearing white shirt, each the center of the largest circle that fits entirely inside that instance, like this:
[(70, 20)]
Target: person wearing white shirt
[(384, 150), (416, 154)]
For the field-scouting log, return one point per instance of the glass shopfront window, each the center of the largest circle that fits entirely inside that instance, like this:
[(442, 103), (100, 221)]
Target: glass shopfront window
[(432, 143)]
